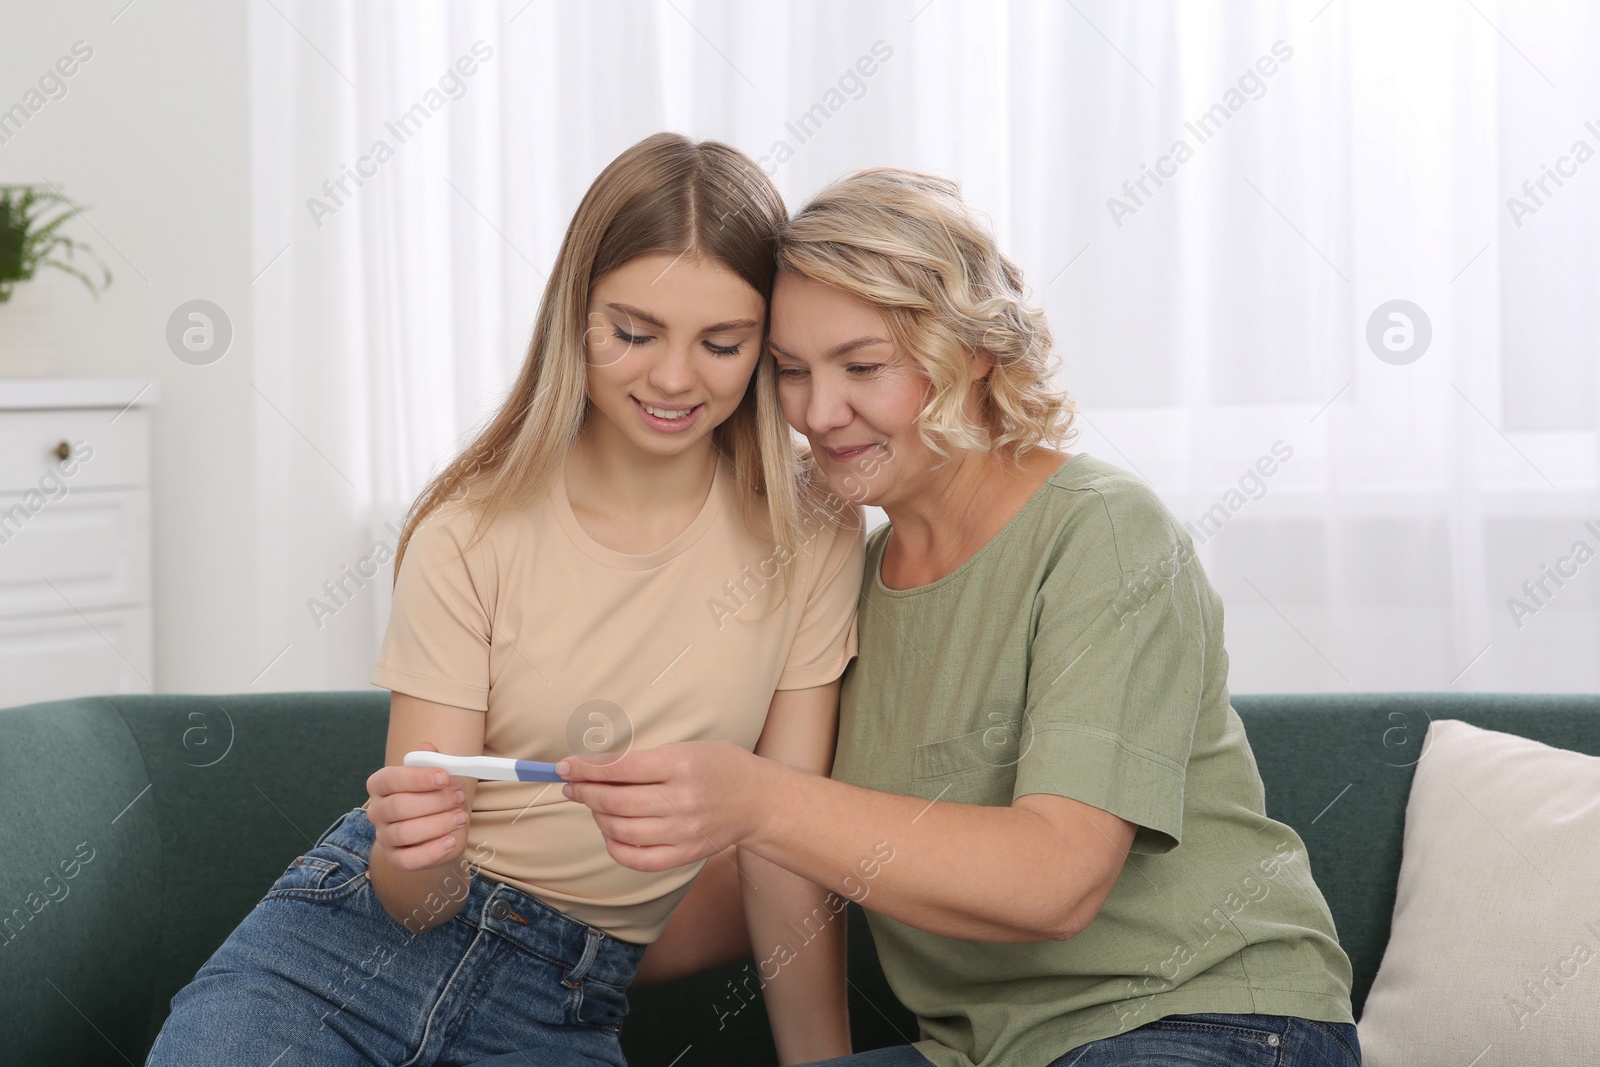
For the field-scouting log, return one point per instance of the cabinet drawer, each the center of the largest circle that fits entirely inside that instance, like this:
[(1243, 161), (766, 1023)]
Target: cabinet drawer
[(92, 546), (112, 453), (64, 656)]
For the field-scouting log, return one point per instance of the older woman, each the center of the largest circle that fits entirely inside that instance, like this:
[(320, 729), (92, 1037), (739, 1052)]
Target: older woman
[(1041, 793)]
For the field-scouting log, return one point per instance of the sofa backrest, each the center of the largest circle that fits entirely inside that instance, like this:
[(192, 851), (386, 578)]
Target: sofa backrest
[(192, 805)]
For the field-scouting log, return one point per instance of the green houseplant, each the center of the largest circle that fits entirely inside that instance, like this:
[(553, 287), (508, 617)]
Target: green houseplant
[(31, 218)]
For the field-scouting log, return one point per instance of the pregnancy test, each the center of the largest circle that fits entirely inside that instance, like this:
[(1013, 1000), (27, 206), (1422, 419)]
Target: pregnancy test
[(490, 768)]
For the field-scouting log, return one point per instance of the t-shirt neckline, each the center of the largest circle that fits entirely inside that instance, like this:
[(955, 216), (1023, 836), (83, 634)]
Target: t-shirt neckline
[(876, 566), (627, 561)]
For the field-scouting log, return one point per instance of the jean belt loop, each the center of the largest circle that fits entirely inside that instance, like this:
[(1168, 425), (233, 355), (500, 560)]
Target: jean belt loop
[(591, 949)]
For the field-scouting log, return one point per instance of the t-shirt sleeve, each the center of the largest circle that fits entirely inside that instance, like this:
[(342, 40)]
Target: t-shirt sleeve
[(437, 643), (1117, 672), (825, 642)]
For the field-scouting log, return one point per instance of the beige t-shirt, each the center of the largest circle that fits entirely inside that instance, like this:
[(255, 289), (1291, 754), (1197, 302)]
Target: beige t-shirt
[(570, 647)]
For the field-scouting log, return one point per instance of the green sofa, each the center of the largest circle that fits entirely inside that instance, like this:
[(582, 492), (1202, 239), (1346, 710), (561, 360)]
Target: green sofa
[(175, 813)]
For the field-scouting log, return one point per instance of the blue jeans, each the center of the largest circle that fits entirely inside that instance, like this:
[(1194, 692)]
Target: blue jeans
[(319, 973), (1206, 1040)]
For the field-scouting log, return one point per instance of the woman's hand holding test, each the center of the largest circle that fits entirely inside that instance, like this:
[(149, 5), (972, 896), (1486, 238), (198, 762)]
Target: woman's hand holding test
[(415, 812), (693, 808)]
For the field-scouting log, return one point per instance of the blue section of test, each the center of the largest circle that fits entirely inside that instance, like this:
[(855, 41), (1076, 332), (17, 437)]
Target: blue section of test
[(533, 771)]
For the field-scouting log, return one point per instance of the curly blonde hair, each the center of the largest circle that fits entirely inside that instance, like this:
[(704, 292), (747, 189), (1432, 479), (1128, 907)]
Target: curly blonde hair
[(907, 243)]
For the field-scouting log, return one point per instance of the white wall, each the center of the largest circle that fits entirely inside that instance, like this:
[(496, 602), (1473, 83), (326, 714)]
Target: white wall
[(152, 132)]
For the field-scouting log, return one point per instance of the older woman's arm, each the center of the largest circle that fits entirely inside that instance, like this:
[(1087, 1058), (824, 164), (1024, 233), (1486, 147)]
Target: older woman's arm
[(1038, 869)]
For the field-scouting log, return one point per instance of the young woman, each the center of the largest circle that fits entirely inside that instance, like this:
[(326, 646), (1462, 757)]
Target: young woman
[(632, 553), (1038, 767)]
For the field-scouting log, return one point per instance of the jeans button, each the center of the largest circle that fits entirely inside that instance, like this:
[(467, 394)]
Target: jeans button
[(1272, 1039), (499, 909)]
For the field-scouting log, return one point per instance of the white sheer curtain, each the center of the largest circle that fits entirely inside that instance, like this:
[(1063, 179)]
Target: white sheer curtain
[(1339, 156)]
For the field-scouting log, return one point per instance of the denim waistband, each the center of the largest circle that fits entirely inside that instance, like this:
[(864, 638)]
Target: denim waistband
[(586, 951)]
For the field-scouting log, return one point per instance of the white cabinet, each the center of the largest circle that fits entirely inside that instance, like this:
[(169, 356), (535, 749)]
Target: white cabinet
[(75, 615)]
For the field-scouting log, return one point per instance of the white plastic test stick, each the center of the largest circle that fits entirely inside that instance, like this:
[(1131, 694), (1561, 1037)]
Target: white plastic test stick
[(489, 768)]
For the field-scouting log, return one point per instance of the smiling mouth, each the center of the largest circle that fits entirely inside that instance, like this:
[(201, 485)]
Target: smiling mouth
[(842, 454), (670, 412)]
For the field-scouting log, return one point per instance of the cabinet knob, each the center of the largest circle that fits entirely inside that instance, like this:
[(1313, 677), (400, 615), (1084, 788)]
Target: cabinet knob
[(63, 450)]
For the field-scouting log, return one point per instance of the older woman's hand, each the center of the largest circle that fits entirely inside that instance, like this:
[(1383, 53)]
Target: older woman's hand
[(668, 806)]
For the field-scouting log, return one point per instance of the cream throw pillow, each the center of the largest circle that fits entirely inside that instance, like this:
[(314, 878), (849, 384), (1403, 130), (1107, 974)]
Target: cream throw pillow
[(1494, 955)]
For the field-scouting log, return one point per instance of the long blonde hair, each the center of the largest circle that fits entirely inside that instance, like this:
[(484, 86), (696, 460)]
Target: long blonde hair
[(906, 243), (666, 194)]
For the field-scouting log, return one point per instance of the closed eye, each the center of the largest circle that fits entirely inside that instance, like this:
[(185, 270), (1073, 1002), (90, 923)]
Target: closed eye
[(715, 349)]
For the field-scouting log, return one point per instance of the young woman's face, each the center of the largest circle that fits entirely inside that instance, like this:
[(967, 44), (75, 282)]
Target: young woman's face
[(843, 384), (671, 344)]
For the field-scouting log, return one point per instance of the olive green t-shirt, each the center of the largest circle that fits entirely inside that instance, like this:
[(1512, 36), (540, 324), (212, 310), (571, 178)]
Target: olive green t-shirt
[(1079, 652)]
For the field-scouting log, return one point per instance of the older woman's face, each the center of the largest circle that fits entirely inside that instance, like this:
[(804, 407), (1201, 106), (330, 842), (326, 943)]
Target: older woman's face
[(844, 386)]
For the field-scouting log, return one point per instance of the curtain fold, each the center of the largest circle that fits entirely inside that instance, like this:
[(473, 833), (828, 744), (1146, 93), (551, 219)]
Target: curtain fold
[(1217, 203)]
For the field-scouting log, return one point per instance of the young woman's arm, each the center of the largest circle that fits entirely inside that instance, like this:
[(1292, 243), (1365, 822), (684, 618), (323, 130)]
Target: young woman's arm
[(707, 927), (797, 939), (417, 867)]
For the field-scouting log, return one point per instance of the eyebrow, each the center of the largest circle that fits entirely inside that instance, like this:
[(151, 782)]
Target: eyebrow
[(645, 316), (837, 350)]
